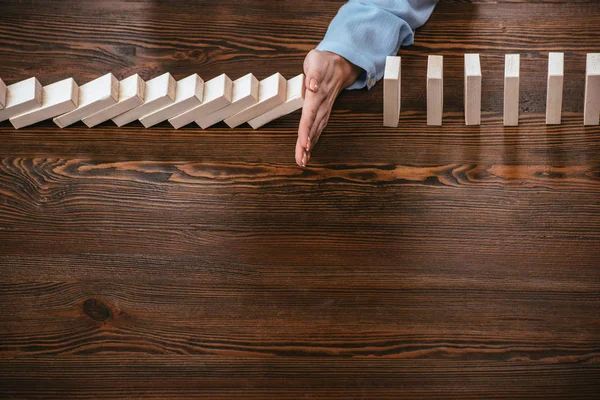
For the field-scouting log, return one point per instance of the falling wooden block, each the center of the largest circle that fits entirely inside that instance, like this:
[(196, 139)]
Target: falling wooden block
[(160, 92), (131, 95), (294, 100), (217, 94), (472, 89), (554, 92), (435, 90), (94, 96), (3, 90), (271, 93), (591, 110), (57, 98), (21, 97), (188, 95), (244, 94), (391, 92), (511, 89)]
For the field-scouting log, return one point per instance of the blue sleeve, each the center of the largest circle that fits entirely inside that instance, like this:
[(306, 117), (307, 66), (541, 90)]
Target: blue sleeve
[(365, 32)]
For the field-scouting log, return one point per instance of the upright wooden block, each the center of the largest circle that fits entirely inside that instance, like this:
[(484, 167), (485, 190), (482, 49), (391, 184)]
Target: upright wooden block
[(591, 110), (188, 95), (3, 90), (271, 93), (435, 90), (294, 100), (160, 92), (94, 96), (57, 98), (131, 95), (245, 94), (554, 92), (391, 91), (472, 89), (511, 89), (217, 94), (22, 97)]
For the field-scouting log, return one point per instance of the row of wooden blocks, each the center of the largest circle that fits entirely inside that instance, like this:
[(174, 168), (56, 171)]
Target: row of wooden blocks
[(162, 98), (472, 92)]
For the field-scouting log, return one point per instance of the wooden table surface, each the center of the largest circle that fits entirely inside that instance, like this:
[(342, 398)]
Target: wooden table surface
[(420, 262)]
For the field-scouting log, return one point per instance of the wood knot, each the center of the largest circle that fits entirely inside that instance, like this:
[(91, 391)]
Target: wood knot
[(96, 310)]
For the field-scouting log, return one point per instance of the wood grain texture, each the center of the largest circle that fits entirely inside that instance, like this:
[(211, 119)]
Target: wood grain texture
[(454, 262)]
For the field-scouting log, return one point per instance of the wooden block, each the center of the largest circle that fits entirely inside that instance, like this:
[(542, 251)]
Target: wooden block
[(217, 94), (188, 95), (57, 98), (294, 100), (3, 90), (271, 93), (391, 92), (472, 89), (160, 92), (435, 90), (131, 95), (591, 110), (554, 92), (511, 89), (245, 94), (22, 97), (94, 96)]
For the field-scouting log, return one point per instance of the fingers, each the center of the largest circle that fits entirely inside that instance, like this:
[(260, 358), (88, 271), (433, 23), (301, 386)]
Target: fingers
[(313, 71)]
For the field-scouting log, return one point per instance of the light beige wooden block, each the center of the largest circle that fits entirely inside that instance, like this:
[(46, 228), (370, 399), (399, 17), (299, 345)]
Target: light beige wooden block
[(94, 96), (245, 94), (57, 98), (472, 89), (3, 90), (554, 91), (22, 97), (271, 93), (391, 91), (217, 94), (188, 95), (160, 92), (294, 100), (435, 90), (511, 89), (591, 110), (131, 95)]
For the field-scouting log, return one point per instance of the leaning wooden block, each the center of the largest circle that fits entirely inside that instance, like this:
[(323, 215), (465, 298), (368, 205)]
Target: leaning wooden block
[(3, 90), (160, 92), (391, 92), (57, 98), (554, 93), (94, 96), (244, 94), (472, 89), (294, 100), (131, 95), (591, 110), (188, 95), (271, 93), (21, 97), (435, 90), (217, 94), (511, 89)]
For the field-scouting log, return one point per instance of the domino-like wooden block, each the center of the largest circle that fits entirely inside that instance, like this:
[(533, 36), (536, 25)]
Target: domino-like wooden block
[(3, 90), (271, 93), (294, 100), (391, 91), (22, 97), (245, 94), (554, 92), (131, 95), (435, 90), (188, 95), (217, 94), (160, 92), (57, 98), (591, 110), (472, 89), (511, 89), (94, 96)]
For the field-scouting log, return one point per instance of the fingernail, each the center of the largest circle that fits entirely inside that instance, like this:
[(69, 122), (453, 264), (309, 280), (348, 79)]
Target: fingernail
[(313, 86), (304, 160), (308, 144)]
